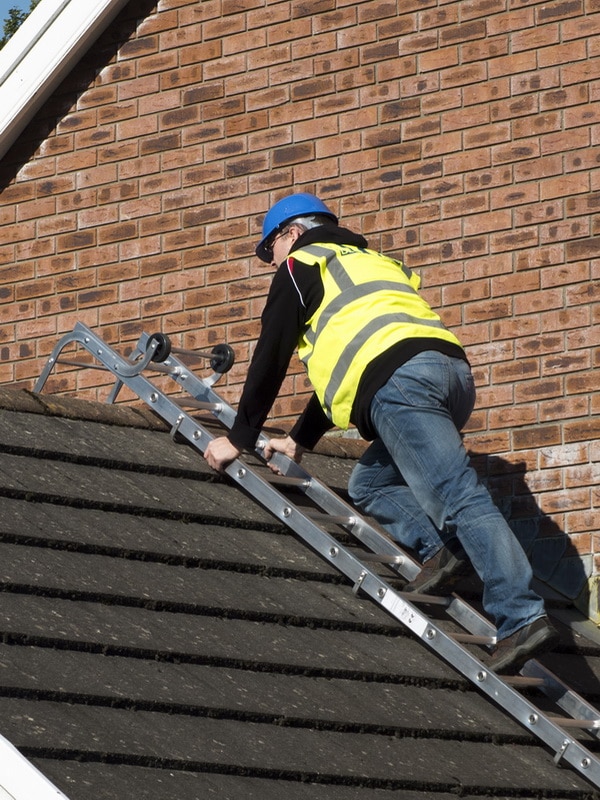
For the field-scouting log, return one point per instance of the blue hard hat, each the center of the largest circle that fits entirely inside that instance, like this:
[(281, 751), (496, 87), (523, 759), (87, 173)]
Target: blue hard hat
[(287, 209)]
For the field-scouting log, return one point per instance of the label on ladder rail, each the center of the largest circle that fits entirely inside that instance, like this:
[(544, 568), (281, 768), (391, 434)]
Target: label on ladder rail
[(405, 613)]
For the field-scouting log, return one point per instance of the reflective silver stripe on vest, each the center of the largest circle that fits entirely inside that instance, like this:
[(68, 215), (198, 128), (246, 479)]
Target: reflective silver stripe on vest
[(346, 285), (345, 360), (338, 273), (352, 293)]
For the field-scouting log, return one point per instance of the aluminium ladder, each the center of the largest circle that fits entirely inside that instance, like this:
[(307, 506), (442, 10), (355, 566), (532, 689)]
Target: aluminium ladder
[(356, 548)]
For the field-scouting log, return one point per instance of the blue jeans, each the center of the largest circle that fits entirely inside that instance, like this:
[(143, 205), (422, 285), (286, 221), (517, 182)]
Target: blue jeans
[(417, 481)]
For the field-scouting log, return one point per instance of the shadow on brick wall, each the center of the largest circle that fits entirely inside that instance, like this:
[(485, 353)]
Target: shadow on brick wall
[(555, 561)]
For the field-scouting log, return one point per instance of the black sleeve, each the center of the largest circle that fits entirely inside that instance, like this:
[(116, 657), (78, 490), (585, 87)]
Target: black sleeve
[(281, 323), (311, 425)]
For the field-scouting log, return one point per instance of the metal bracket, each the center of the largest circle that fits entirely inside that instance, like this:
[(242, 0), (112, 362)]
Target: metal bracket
[(176, 426), (359, 582), (561, 752)]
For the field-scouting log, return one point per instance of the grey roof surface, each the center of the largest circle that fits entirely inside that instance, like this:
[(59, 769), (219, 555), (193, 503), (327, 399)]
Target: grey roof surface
[(165, 637)]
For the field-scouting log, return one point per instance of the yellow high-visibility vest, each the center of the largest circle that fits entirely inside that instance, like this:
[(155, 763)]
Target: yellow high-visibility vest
[(370, 303)]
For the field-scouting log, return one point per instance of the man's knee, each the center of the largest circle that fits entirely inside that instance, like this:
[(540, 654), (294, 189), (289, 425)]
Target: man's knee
[(354, 490), (356, 486)]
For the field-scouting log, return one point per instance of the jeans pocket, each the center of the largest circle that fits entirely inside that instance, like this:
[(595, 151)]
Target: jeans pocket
[(424, 381)]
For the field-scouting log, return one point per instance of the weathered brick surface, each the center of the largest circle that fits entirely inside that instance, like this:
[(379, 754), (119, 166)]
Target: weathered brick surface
[(460, 137)]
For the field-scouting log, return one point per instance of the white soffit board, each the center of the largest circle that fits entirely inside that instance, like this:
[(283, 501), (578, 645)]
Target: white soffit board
[(49, 43), (20, 780)]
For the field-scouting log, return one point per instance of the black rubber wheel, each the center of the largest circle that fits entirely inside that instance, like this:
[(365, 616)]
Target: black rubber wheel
[(223, 358), (163, 351)]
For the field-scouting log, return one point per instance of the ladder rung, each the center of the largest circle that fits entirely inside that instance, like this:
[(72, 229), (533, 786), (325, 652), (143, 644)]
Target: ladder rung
[(191, 402), (382, 558), (429, 599), (568, 722), (166, 370), (522, 680), (198, 354), (471, 638), (332, 519), (286, 480), (71, 362)]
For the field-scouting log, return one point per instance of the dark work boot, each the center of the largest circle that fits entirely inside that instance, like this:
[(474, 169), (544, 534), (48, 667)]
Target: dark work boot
[(441, 573), (531, 641)]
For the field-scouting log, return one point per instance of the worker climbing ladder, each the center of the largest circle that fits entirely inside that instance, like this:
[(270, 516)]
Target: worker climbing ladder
[(349, 542)]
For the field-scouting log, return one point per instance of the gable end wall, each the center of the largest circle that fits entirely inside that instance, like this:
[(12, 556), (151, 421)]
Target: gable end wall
[(460, 137)]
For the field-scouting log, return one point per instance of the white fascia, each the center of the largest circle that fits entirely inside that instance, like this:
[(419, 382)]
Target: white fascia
[(49, 43), (20, 780)]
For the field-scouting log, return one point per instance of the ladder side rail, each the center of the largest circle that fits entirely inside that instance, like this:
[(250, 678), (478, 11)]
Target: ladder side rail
[(453, 651), (449, 648), (242, 473), (85, 337), (322, 495), (314, 489), (78, 335), (140, 358), (544, 726), (135, 354)]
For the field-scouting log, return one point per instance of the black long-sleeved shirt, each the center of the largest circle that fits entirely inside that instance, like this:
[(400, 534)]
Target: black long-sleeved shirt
[(295, 294)]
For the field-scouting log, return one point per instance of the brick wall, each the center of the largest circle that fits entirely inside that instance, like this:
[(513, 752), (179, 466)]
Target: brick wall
[(462, 137)]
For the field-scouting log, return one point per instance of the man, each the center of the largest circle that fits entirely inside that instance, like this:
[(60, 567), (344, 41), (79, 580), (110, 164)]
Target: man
[(379, 357)]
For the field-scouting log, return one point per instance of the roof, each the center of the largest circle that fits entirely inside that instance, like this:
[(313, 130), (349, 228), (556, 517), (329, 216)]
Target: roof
[(163, 635)]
